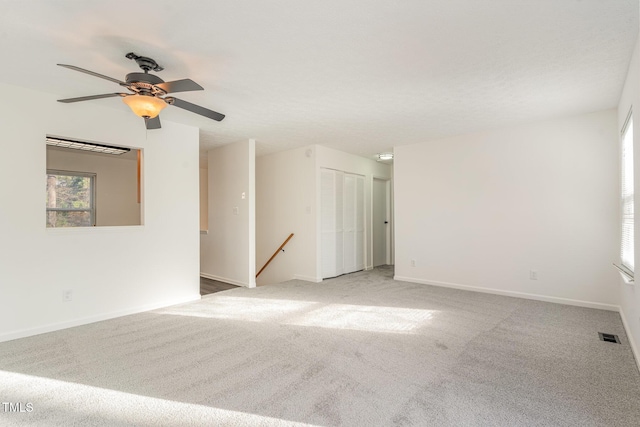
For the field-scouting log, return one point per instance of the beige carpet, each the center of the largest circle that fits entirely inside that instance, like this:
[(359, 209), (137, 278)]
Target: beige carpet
[(358, 350)]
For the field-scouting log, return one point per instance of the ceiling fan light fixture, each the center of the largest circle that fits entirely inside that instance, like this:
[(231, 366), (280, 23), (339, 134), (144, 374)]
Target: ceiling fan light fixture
[(148, 92), (145, 106)]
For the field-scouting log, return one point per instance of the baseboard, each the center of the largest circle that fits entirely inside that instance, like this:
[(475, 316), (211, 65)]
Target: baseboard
[(632, 343), (557, 300), (225, 280), (23, 333), (307, 278)]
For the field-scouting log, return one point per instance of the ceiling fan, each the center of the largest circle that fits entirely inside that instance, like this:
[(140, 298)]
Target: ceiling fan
[(148, 92)]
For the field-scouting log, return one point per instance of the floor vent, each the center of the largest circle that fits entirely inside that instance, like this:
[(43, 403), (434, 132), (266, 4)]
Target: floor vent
[(609, 337)]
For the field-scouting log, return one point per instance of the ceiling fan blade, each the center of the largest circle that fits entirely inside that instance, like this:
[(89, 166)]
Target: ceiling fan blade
[(183, 85), (87, 98), (153, 123), (197, 109), (91, 73)]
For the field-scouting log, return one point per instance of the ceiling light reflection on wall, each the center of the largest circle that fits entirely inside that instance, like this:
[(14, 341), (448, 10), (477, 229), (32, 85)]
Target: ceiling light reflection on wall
[(145, 106), (385, 156), (86, 146)]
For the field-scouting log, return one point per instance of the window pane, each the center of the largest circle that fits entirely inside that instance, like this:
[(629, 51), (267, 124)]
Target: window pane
[(68, 191), (69, 219), (627, 249)]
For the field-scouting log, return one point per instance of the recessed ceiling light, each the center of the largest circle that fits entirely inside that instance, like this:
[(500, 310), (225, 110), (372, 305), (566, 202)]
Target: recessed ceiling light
[(385, 156), (86, 146)]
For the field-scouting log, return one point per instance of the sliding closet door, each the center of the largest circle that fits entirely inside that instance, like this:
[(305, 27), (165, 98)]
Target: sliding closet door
[(339, 247), (342, 222), (331, 194), (349, 215), (359, 223), (353, 214)]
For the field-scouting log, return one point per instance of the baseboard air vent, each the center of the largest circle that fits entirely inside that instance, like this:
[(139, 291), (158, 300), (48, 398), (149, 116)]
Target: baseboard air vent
[(609, 337)]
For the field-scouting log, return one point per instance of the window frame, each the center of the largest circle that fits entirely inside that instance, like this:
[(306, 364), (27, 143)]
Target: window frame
[(627, 198), (92, 191)]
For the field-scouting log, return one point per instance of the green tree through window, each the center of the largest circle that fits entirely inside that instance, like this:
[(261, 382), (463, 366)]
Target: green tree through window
[(70, 199)]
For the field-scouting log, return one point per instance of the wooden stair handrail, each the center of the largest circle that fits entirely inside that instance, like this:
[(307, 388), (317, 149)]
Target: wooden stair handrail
[(275, 253)]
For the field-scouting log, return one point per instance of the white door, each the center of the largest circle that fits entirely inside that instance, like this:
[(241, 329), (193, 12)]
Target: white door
[(359, 223), (349, 215), (331, 185), (380, 219), (342, 222)]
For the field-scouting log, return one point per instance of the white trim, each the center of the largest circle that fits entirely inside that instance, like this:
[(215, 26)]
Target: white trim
[(251, 202), (225, 280), (626, 121), (307, 278), (23, 333), (626, 278), (537, 297), (109, 229), (632, 343)]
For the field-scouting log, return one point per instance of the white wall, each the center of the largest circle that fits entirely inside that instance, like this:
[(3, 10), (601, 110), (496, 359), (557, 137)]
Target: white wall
[(482, 210), (116, 183), (204, 199), (111, 270), (228, 251), (285, 204), (338, 160), (629, 293)]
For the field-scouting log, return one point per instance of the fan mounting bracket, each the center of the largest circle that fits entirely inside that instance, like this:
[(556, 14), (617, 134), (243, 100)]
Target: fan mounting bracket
[(145, 63)]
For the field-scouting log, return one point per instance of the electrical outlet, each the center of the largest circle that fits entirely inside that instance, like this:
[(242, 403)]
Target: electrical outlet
[(67, 295), (413, 263), (533, 274)]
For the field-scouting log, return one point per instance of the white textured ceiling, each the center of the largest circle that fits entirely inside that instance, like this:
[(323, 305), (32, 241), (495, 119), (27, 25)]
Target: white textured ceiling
[(359, 76)]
